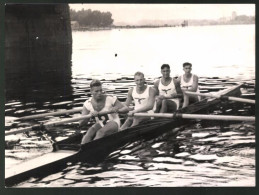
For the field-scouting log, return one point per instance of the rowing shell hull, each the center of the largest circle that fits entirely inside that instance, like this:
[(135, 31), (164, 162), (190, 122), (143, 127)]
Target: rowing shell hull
[(95, 151), (147, 130)]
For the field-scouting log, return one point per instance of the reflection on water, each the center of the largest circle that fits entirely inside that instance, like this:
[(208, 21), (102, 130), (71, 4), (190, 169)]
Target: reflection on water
[(208, 154), (39, 79)]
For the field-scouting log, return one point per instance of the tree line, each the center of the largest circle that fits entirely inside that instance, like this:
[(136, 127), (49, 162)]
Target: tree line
[(91, 18)]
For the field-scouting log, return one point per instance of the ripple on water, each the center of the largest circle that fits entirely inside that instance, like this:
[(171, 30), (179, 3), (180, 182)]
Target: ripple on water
[(19, 111), (12, 103), (127, 167), (231, 133), (62, 103), (200, 135), (167, 159), (125, 152), (166, 167), (183, 154), (156, 145), (52, 177), (40, 111), (234, 162), (200, 157)]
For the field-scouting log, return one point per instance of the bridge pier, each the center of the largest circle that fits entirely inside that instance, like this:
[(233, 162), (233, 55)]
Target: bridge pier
[(38, 49)]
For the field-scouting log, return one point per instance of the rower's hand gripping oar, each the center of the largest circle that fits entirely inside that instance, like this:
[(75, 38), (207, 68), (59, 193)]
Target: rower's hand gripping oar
[(52, 124), (222, 97)]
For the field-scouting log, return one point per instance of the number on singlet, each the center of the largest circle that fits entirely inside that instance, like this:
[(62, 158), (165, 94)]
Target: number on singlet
[(104, 118)]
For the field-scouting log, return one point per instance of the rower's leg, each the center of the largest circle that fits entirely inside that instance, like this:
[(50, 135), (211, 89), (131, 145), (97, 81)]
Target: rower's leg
[(193, 99), (163, 106), (91, 133), (138, 120), (168, 106), (185, 100), (158, 106), (127, 123), (110, 128)]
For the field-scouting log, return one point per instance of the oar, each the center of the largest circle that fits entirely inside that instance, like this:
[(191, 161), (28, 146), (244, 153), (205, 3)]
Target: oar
[(52, 124), (221, 97), (49, 114), (198, 116)]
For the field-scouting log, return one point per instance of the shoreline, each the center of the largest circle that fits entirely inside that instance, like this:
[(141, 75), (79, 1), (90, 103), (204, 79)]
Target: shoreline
[(150, 26)]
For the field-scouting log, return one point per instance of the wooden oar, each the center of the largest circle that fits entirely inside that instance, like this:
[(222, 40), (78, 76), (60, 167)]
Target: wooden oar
[(52, 124), (198, 116), (221, 97), (50, 114)]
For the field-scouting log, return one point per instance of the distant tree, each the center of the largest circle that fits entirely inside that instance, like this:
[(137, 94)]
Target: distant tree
[(91, 18), (107, 19), (242, 18), (73, 14)]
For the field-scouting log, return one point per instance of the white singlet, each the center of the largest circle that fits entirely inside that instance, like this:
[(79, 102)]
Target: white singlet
[(188, 84), (140, 100), (109, 103), (168, 90)]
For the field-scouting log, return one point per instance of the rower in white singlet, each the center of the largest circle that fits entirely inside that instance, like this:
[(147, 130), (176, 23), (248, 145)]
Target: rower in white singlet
[(189, 82), (143, 97), (168, 92), (107, 124)]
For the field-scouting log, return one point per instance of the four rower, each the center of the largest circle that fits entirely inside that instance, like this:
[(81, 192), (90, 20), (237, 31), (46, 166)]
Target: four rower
[(168, 90), (188, 82), (100, 102)]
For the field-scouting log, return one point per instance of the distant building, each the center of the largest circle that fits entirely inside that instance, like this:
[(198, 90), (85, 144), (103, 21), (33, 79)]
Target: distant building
[(185, 23), (234, 15), (75, 25)]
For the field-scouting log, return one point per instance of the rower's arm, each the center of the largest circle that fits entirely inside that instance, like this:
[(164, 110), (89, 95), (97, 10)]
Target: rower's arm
[(179, 80), (178, 88), (129, 98), (151, 101), (120, 107), (194, 86), (156, 87), (85, 121)]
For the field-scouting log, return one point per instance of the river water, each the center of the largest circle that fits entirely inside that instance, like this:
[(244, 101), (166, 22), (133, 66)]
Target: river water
[(205, 154)]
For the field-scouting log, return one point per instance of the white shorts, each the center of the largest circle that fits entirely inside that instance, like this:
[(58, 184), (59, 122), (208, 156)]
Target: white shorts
[(104, 121), (176, 100)]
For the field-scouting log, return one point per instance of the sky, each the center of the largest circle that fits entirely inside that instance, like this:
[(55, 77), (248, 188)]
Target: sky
[(132, 13)]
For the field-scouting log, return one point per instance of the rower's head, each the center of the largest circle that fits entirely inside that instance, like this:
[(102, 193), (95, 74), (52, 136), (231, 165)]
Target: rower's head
[(139, 79), (187, 67), (96, 89), (165, 70)]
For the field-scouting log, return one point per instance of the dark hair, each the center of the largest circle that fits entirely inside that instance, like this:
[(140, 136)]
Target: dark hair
[(165, 66), (187, 64), (95, 83)]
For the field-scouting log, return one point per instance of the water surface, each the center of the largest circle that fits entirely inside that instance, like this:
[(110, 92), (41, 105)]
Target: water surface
[(210, 153)]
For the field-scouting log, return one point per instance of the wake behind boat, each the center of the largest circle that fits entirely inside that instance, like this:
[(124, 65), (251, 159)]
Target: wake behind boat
[(69, 150)]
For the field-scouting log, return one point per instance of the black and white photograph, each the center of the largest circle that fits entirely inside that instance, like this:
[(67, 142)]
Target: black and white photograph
[(129, 95)]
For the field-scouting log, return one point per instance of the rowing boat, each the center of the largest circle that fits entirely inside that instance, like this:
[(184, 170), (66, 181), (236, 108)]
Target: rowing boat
[(69, 150)]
